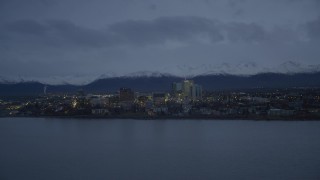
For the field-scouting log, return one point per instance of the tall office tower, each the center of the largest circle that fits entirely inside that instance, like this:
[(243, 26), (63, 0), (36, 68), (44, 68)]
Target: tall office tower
[(187, 90), (187, 86), (196, 92), (176, 89)]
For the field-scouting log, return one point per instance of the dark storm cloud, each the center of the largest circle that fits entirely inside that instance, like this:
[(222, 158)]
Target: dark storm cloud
[(26, 26), (65, 37), (132, 32), (78, 35), (52, 33), (165, 29), (245, 32), (313, 29)]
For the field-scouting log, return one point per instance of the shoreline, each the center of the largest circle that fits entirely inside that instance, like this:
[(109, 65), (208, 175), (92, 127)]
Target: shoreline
[(172, 118)]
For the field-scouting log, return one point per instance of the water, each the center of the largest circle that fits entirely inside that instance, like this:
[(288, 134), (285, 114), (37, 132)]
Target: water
[(158, 149)]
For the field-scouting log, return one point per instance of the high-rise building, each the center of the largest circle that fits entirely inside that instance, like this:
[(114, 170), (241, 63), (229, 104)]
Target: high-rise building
[(196, 92), (177, 89), (187, 90)]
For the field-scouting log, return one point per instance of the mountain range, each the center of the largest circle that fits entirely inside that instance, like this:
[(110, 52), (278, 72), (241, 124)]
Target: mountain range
[(162, 82), (183, 70)]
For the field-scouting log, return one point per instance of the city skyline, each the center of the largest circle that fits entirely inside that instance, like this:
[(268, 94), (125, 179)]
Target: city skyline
[(159, 89), (79, 41)]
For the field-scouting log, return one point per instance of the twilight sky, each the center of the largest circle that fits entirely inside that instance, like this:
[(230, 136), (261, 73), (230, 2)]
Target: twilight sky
[(83, 39)]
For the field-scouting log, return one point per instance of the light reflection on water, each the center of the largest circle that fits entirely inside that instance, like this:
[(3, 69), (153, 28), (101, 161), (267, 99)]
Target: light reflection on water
[(39, 148)]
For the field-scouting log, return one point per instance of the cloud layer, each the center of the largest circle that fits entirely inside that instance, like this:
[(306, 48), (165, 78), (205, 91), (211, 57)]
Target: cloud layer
[(134, 32), (63, 38)]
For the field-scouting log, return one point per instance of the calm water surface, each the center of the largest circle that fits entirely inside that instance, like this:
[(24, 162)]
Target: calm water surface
[(43, 148)]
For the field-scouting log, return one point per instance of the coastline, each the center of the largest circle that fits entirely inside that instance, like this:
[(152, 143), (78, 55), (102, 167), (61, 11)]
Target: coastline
[(210, 118)]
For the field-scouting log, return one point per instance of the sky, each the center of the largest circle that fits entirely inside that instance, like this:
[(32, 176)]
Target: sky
[(79, 40)]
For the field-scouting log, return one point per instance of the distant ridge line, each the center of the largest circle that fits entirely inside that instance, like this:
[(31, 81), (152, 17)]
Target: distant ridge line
[(163, 83)]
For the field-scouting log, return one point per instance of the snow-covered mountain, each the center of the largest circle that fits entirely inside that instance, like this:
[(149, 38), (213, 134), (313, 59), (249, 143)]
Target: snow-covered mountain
[(52, 80), (107, 75), (226, 68), (295, 67), (147, 74), (244, 68)]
